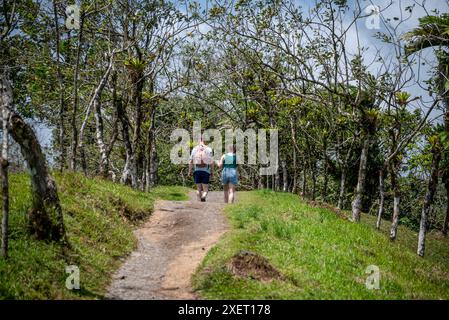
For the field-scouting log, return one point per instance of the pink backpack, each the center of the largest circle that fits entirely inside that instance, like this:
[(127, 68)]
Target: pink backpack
[(201, 157)]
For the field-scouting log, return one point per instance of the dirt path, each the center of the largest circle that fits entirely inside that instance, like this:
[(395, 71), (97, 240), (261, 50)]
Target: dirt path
[(171, 245)]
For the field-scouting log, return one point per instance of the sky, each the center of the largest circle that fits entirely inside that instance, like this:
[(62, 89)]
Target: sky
[(389, 10)]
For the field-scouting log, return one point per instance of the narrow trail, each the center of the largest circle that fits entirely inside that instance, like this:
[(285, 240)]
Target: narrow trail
[(171, 245)]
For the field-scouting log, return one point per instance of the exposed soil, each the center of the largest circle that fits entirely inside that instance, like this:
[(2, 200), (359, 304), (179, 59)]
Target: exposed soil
[(171, 245), (247, 264)]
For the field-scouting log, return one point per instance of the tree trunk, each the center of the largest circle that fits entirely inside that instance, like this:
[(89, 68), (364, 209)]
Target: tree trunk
[(74, 147), (325, 173), (342, 188), (314, 182), (396, 200), (137, 165), (433, 182), (152, 161), (304, 181), (284, 176), (45, 217), (96, 104), (104, 159), (446, 219), (62, 152), (381, 197), (5, 187), (295, 172), (357, 203)]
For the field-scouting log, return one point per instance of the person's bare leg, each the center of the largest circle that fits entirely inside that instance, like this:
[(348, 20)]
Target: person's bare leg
[(199, 192), (226, 192), (205, 190), (231, 193)]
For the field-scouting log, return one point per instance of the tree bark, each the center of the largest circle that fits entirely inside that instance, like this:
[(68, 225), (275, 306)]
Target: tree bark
[(314, 181), (304, 180), (357, 203), (341, 196), (45, 217), (152, 160), (446, 218), (61, 93), (104, 159), (433, 182), (325, 173), (5, 187), (284, 176), (295, 172), (138, 85), (95, 103), (396, 200), (381, 197), (74, 146)]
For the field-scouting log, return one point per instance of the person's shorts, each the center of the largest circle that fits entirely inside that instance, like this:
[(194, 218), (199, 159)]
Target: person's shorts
[(229, 175), (201, 177)]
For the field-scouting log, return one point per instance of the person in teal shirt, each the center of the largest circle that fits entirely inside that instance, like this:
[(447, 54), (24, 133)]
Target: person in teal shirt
[(229, 174)]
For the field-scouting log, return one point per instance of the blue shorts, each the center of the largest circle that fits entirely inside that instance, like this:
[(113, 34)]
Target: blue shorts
[(201, 177), (229, 175)]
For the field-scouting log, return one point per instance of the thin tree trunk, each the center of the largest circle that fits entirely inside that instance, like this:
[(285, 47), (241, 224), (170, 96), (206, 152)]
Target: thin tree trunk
[(151, 153), (396, 201), (304, 181), (381, 197), (5, 186), (138, 157), (284, 176), (326, 178), (433, 182), (342, 188), (357, 203), (314, 182), (104, 159), (61, 93), (295, 172), (446, 219), (74, 147), (95, 103)]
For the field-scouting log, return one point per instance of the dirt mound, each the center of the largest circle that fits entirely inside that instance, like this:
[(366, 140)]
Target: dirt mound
[(247, 264)]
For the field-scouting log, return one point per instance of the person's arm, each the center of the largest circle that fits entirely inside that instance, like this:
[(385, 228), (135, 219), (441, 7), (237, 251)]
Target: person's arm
[(220, 162), (212, 167)]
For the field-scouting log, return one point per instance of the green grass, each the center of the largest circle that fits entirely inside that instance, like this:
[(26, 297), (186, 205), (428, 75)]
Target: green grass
[(99, 217), (321, 255)]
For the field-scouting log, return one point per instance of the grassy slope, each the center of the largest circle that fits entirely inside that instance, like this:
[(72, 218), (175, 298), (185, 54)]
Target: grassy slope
[(322, 255), (99, 217)]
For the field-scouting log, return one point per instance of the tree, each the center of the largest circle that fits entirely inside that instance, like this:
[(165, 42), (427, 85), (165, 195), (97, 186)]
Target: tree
[(433, 31), (433, 182)]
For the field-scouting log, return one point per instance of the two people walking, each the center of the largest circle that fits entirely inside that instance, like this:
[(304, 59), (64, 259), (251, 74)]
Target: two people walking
[(202, 166)]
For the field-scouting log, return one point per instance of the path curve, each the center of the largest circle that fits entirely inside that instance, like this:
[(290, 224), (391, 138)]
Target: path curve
[(171, 245)]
